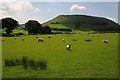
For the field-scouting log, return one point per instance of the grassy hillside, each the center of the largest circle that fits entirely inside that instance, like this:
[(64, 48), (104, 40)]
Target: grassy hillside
[(94, 59), (83, 22)]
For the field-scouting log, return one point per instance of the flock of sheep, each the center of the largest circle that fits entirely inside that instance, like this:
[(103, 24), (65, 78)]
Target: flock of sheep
[(68, 46)]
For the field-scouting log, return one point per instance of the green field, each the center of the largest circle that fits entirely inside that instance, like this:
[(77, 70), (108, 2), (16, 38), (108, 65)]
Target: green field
[(94, 59)]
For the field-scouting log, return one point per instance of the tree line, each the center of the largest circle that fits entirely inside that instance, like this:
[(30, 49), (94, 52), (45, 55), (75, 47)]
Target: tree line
[(61, 29), (32, 26)]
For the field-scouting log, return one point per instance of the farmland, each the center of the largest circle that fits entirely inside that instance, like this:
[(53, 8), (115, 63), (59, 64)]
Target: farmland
[(94, 59)]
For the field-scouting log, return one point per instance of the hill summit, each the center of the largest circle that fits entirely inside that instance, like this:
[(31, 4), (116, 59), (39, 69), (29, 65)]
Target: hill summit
[(83, 23)]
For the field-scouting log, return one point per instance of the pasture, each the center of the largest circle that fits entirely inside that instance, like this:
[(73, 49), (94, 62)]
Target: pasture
[(94, 59)]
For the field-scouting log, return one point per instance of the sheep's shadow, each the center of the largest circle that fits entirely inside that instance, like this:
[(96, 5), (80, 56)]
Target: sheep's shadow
[(69, 50)]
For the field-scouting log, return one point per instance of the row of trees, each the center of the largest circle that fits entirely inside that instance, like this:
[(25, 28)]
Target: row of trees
[(61, 29), (32, 26)]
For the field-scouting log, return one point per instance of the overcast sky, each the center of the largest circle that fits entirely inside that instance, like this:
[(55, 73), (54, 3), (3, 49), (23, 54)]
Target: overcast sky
[(25, 10)]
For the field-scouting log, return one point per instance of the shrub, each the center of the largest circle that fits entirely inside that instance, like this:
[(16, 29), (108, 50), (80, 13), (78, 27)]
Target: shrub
[(20, 33), (6, 62), (12, 63), (42, 64), (9, 62), (33, 64), (18, 62), (25, 62)]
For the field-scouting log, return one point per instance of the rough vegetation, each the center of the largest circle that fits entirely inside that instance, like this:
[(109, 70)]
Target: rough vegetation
[(26, 63)]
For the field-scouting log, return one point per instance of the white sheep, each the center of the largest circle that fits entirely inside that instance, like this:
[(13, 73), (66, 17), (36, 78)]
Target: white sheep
[(63, 39), (106, 41), (22, 39), (40, 40), (68, 47)]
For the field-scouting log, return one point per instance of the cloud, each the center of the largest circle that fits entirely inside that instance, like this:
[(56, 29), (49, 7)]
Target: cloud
[(113, 19), (77, 8), (20, 10), (15, 6), (49, 10)]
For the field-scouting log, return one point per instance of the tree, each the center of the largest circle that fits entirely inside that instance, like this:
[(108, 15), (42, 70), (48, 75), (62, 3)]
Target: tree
[(9, 24), (33, 27), (46, 30)]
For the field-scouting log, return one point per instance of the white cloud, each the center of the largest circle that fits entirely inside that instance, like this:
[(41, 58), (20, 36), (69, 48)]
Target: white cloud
[(77, 8), (113, 19), (15, 6), (49, 10), (36, 10), (21, 10)]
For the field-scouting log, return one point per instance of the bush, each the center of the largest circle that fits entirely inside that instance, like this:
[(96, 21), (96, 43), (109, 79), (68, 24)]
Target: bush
[(42, 64), (6, 62), (27, 63), (33, 64), (9, 62), (20, 33), (18, 62)]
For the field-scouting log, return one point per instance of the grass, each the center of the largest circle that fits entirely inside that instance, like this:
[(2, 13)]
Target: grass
[(93, 59)]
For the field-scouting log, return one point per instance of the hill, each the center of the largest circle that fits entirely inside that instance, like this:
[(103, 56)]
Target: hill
[(83, 22)]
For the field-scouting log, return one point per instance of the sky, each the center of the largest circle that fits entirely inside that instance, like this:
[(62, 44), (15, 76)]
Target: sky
[(42, 11)]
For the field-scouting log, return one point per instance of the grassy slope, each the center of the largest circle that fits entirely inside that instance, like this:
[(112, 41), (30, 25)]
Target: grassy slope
[(82, 22), (87, 59)]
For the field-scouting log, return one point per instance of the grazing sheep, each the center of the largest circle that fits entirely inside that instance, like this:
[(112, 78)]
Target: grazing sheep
[(105, 41), (49, 37), (68, 47), (40, 40), (74, 40), (63, 40), (22, 39), (88, 40)]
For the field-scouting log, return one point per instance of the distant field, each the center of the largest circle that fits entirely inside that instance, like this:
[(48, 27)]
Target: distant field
[(94, 59)]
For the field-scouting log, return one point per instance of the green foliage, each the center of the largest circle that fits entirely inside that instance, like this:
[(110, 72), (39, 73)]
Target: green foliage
[(18, 62), (33, 64), (9, 62), (62, 29), (27, 63), (42, 64), (46, 30), (9, 24), (19, 33), (33, 27)]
